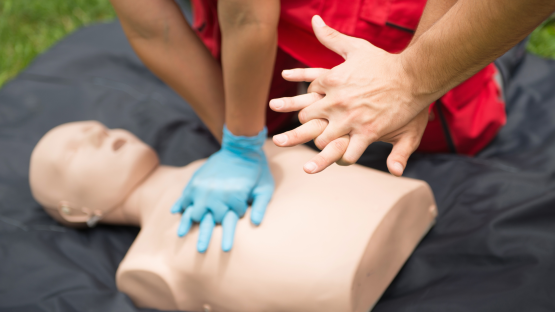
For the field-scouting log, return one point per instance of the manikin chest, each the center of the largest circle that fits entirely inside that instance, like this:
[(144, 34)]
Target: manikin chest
[(324, 245)]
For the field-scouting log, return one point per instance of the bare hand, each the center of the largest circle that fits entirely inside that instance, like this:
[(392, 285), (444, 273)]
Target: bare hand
[(367, 98), (405, 141)]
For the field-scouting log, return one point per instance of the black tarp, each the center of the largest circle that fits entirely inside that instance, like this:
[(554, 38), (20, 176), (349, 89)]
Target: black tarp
[(492, 249)]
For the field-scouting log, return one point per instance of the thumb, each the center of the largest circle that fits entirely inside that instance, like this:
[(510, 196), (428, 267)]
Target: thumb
[(259, 204), (402, 149), (332, 39)]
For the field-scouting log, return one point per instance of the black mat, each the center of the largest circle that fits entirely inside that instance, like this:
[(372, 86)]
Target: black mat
[(493, 248)]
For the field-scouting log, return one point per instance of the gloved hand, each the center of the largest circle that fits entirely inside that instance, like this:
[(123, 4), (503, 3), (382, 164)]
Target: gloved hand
[(220, 190)]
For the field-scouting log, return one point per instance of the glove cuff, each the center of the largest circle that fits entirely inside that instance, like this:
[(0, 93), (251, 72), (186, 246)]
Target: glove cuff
[(241, 144)]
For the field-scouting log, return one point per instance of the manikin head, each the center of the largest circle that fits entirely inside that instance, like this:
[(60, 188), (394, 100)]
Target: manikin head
[(80, 171)]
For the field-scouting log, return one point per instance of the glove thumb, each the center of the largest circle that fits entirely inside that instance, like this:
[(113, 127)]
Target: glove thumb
[(261, 198)]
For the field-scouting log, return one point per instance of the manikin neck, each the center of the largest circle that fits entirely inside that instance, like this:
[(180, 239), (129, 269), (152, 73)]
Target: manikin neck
[(145, 196)]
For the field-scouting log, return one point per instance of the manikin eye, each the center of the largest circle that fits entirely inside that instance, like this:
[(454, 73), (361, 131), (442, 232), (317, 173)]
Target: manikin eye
[(118, 144)]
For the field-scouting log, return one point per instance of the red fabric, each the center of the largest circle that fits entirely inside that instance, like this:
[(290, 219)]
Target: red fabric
[(474, 113), (473, 110)]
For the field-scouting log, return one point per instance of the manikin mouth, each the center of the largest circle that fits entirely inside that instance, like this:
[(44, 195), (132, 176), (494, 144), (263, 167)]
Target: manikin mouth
[(118, 144)]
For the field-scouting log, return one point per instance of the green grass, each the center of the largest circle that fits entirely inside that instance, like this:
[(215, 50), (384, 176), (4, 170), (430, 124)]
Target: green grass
[(28, 27), (542, 41)]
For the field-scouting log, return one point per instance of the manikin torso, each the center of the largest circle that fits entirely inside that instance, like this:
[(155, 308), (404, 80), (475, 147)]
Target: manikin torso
[(329, 242)]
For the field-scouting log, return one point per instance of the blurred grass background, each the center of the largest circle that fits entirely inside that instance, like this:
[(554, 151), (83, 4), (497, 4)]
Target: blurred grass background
[(542, 40), (28, 27)]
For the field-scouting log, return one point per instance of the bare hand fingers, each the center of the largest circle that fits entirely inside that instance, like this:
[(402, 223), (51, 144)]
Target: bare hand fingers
[(405, 141), (296, 103), (402, 149), (301, 134), (330, 154), (357, 145), (303, 74), (315, 111), (332, 39), (330, 133), (206, 227)]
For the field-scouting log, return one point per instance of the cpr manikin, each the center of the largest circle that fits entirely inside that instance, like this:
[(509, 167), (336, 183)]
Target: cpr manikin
[(329, 242)]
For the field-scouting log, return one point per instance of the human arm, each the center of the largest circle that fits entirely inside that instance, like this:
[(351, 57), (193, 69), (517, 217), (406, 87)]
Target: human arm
[(220, 190), (375, 93), (162, 38), (487, 28), (249, 45)]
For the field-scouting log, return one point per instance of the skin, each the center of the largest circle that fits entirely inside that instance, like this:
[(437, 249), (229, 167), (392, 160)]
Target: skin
[(168, 46), (234, 93), (405, 140), (374, 95), (249, 45)]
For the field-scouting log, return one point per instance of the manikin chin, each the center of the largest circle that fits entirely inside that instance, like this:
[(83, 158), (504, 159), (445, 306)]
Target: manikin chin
[(329, 242)]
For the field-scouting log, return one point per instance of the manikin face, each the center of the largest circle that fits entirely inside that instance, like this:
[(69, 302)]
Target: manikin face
[(87, 165)]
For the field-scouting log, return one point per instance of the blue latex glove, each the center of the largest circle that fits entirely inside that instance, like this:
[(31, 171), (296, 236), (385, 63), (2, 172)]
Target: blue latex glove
[(220, 190)]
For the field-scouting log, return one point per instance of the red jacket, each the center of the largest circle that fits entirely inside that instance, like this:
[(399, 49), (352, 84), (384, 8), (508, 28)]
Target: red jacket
[(464, 120)]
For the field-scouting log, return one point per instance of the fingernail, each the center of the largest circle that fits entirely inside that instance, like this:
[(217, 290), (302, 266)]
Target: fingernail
[(398, 167), (310, 167), (287, 72), (277, 103), (280, 138), (318, 21)]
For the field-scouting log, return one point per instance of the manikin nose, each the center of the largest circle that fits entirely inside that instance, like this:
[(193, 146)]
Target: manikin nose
[(96, 135)]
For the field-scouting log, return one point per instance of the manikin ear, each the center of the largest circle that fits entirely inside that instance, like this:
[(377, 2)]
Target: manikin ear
[(78, 216)]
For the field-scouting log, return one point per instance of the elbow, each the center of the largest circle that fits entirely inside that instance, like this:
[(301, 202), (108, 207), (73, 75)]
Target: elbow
[(150, 30)]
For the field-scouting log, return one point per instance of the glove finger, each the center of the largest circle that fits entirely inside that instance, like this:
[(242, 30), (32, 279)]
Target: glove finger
[(239, 206), (259, 205), (185, 200), (228, 226), (218, 210), (205, 232), (186, 222), (177, 206), (200, 208)]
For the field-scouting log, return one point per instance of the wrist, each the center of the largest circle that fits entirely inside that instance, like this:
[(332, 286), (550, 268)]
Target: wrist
[(424, 86), (240, 144), (239, 124)]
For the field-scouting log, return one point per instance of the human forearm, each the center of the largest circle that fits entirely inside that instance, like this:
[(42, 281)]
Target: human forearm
[(433, 11), (468, 37), (249, 43), (168, 46)]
